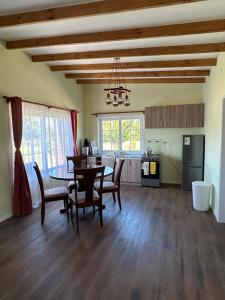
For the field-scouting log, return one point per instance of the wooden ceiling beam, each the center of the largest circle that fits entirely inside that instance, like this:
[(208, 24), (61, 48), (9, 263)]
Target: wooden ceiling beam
[(142, 74), (153, 51), (205, 62), (120, 35), (146, 80), (84, 10)]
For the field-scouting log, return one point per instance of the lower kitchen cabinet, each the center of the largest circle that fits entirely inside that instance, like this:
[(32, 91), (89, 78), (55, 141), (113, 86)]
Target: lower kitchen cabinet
[(131, 172)]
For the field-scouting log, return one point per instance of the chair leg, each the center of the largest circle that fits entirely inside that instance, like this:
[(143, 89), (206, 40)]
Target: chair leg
[(42, 212), (77, 220), (67, 209), (114, 197), (118, 192), (71, 212), (93, 210), (100, 215)]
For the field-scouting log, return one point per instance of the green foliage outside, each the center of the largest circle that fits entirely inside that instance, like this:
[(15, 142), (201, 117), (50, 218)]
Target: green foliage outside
[(130, 134)]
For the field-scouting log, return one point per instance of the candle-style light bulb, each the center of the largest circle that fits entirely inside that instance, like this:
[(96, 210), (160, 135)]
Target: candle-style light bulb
[(115, 101), (108, 99)]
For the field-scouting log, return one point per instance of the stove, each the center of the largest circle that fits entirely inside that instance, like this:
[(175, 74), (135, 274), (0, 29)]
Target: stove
[(150, 170)]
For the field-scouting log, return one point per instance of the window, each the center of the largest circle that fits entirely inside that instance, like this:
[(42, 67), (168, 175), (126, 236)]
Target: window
[(47, 139), (121, 134)]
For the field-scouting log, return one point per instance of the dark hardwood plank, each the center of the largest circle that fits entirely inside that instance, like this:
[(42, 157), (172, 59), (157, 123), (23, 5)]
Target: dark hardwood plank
[(157, 247)]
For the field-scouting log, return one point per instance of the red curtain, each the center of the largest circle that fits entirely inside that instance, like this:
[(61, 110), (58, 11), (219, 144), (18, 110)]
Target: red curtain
[(73, 114), (22, 203)]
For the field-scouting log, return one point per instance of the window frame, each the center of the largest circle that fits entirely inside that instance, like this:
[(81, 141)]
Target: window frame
[(120, 118)]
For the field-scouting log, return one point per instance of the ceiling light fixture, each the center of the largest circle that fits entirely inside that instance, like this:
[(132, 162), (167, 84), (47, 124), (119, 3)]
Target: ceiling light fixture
[(117, 92)]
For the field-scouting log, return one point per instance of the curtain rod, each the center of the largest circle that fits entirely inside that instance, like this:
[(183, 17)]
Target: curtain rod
[(118, 112), (37, 103)]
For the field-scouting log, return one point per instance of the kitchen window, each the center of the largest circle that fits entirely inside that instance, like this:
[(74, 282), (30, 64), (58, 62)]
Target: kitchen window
[(121, 133)]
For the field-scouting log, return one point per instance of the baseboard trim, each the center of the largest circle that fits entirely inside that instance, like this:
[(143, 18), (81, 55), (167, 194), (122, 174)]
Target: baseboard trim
[(162, 181), (130, 183), (171, 182), (5, 217)]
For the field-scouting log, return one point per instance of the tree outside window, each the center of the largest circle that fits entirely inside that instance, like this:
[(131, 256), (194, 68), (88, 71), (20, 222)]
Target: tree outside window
[(121, 134)]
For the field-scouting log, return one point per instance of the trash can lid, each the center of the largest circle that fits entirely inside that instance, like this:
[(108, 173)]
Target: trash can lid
[(201, 183)]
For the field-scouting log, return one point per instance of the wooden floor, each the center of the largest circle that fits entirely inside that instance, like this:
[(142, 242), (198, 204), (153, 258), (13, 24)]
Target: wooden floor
[(157, 247)]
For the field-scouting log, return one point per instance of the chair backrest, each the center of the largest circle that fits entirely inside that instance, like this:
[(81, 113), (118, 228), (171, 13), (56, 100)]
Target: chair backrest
[(117, 169), (79, 161), (39, 177), (88, 176)]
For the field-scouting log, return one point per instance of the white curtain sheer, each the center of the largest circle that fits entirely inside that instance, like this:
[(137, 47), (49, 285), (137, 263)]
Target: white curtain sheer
[(47, 139)]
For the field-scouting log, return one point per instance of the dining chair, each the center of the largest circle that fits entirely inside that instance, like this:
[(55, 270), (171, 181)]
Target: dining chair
[(89, 196), (114, 185), (49, 195), (79, 161)]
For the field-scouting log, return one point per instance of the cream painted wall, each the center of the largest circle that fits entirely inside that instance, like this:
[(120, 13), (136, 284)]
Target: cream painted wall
[(143, 95), (214, 93), (31, 81)]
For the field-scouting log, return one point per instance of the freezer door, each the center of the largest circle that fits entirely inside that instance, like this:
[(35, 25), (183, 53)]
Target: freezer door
[(193, 150), (189, 175)]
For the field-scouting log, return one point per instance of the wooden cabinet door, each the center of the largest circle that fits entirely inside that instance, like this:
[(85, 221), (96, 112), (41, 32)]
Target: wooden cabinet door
[(135, 170), (131, 171), (175, 116), (125, 173)]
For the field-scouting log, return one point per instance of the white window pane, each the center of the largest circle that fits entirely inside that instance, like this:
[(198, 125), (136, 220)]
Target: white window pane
[(47, 136), (131, 135), (110, 135), (121, 134)]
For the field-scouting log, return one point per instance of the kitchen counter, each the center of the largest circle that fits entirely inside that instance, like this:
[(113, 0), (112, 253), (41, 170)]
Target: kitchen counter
[(127, 156)]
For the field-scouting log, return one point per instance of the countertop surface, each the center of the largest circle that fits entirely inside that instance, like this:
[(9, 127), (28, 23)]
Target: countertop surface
[(127, 156)]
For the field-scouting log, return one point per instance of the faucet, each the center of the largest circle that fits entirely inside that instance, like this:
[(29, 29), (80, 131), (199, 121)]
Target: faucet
[(149, 151)]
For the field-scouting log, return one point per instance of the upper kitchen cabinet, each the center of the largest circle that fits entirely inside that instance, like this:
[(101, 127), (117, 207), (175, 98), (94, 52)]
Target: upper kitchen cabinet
[(175, 116)]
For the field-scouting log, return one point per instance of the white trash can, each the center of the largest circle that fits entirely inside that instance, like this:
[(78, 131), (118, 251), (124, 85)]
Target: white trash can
[(201, 193)]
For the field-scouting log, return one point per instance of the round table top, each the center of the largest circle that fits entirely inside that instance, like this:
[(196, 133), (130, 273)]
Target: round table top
[(61, 173)]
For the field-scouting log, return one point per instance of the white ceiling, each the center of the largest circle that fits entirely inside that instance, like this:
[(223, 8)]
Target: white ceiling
[(205, 10), (15, 6)]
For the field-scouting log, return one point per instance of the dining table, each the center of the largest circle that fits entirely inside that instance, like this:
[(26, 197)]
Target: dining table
[(66, 174), (63, 173)]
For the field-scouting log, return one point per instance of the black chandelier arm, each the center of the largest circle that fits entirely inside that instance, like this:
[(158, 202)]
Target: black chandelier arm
[(117, 72), (111, 75), (122, 75)]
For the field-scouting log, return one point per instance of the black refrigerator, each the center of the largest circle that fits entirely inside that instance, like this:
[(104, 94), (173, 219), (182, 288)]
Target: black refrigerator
[(192, 160)]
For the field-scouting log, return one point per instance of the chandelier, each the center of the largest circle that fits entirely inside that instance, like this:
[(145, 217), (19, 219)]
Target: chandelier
[(117, 92)]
